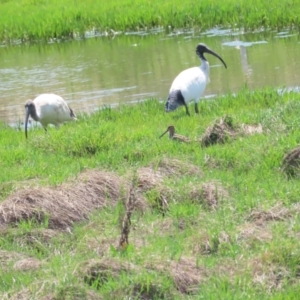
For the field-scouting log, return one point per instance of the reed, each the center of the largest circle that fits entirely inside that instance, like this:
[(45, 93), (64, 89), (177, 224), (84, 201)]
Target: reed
[(43, 20)]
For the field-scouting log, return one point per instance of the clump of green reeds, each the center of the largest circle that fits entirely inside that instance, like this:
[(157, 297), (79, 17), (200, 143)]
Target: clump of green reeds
[(31, 20)]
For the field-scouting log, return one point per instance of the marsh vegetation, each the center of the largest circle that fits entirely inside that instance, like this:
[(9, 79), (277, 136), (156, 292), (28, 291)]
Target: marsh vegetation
[(99, 210)]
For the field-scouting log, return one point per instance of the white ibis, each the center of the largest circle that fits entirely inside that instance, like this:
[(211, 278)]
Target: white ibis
[(175, 136), (190, 84), (48, 109)]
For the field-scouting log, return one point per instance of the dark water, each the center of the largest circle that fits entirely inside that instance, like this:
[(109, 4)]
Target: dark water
[(131, 67)]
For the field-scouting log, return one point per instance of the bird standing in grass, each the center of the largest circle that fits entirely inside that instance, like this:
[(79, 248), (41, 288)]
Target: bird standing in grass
[(191, 83), (48, 109), (175, 136)]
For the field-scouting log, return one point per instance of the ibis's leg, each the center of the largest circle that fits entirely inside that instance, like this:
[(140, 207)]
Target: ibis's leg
[(45, 129), (196, 108), (187, 110)]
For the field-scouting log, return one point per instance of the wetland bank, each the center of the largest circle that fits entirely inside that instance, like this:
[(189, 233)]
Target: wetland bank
[(102, 210)]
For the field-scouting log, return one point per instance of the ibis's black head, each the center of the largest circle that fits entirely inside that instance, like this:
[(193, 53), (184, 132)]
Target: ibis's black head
[(175, 99), (29, 111), (202, 48), (72, 114)]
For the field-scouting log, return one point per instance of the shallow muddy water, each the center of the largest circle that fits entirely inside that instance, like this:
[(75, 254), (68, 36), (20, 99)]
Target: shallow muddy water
[(127, 68)]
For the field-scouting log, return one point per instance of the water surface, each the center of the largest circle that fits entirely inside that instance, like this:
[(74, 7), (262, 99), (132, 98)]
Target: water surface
[(127, 68)]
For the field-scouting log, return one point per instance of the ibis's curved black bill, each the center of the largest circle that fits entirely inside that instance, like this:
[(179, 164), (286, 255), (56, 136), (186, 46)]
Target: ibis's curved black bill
[(202, 48)]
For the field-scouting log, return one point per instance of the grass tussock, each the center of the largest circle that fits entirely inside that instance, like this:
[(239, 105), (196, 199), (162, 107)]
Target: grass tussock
[(147, 218), (291, 163), (18, 261), (224, 129), (209, 194), (175, 167), (276, 213), (61, 207)]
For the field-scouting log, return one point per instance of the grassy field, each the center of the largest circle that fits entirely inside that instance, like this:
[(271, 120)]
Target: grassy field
[(41, 19), (103, 210)]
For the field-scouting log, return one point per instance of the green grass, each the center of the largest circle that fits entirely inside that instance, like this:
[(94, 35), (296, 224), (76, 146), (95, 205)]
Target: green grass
[(40, 19), (235, 254)]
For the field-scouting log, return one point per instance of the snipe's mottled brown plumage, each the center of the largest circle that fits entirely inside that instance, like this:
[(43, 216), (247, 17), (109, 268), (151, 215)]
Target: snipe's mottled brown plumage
[(175, 136)]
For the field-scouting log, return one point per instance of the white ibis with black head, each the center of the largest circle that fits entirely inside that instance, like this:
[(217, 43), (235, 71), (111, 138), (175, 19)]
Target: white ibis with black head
[(191, 83), (48, 109)]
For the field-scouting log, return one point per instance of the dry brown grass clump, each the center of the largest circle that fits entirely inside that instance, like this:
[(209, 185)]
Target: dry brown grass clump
[(174, 167), (219, 133), (27, 264), (64, 205), (36, 237), (43, 290), (291, 162), (205, 243), (19, 261), (251, 129), (151, 191), (148, 179), (223, 129), (270, 276), (75, 293), (186, 274), (100, 271), (61, 206), (250, 233), (263, 274), (209, 194), (276, 213), (37, 290)]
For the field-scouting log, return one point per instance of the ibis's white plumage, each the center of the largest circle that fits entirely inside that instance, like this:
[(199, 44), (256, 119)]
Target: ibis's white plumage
[(48, 109), (190, 84)]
